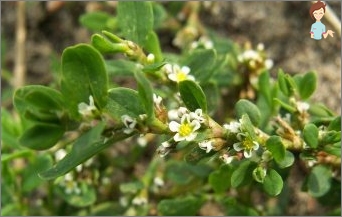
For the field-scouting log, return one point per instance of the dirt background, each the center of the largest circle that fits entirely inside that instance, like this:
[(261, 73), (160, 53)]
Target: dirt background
[(283, 27)]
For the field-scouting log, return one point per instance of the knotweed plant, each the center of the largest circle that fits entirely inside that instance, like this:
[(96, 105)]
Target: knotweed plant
[(96, 127)]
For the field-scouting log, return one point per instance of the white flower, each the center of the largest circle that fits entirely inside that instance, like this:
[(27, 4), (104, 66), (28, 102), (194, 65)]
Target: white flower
[(226, 158), (206, 145), (173, 115), (142, 141), (197, 115), (85, 109), (233, 127), (302, 106), (246, 144), (186, 130), (157, 101), (139, 201), (260, 47), (177, 74), (249, 55), (158, 181), (60, 154), (268, 63), (129, 122), (150, 58)]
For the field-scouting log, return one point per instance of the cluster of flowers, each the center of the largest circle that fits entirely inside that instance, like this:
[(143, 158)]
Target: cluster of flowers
[(69, 182), (253, 58)]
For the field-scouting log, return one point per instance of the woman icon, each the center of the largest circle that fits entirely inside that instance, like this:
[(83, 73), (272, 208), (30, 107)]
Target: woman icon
[(317, 11)]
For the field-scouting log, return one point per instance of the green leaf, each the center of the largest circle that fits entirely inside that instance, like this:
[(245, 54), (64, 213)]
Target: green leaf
[(196, 154), (287, 161), (286, 83), (220, 179), (276, 147), (335, 124), (285, 105), (86, 146), (259, 174), (212, 94), (131, 187), (103, 45), (330, 137), (37, 102), (97, 21), (243, 174), (145, 93), (201, 63), (244, 106), (31, 179), (121, 67), (41, 136), (265, 87), (135, 19), (273, 183), (232, 207), (152, 45), (334, 149), (319, 181), (83, 74), (123, 101), (310, 135), (192, 95), (320, 110), (307, 85), (180, 206), (84, 199), (247, 126)]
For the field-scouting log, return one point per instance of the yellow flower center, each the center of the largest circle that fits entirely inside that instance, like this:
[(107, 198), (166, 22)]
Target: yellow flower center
[(248, 144), (181, 76), (185, 129)]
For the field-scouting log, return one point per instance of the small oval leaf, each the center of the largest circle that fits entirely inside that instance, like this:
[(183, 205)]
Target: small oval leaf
[(244, 106), (307, 85), (83, 74), (192, 95), (273, 183), (41, 136), (310, 134), (319, 181)]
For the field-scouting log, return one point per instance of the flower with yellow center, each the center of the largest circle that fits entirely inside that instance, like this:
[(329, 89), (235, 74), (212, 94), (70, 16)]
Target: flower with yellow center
[(186, 130), (246, 144), (177, 74)]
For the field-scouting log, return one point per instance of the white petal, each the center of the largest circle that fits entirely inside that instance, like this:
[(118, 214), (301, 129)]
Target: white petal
[(256, 145), (195, 124), (238, 146), (191, 136), (128, 130), (172, 77), (91, 101), (247, 153), (181, 111), (185, 69), (240, 136), (168, 68), (174, 126), (190, 77), (173, 114), (178, 138)]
